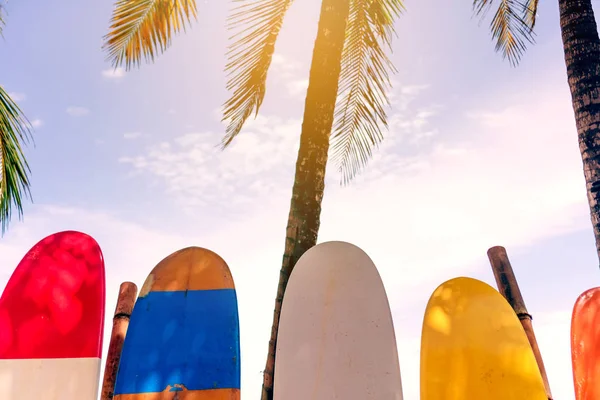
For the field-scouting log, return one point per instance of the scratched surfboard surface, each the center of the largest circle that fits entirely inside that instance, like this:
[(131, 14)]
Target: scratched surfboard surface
[(585, 345), (473, 346), (51, 321), (183, 336), (336, 337)]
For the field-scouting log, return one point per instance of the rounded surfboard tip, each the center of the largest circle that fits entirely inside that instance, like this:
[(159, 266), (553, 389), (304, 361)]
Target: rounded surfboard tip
[(460, 281), (334, 253), (585, 344), (586, 296), (449, 294), (336, 335), (474, 346), (191, 268), (53, 303), (335, 245)]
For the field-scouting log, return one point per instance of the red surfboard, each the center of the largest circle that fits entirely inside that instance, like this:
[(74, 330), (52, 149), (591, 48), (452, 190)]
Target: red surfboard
[(52, 320), (585, 345)]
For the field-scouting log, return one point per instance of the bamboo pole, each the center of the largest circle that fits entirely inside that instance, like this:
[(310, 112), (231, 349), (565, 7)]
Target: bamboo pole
[(125, 302), (509, 288)]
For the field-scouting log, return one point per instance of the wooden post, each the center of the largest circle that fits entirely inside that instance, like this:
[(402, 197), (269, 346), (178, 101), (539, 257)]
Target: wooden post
[(508, 287), (125, 302)]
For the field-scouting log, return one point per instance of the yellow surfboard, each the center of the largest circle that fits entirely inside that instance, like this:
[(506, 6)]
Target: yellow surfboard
[(473, 347)]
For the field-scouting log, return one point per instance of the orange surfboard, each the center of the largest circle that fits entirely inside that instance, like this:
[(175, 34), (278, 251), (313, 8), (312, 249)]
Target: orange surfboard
[(585, 345)]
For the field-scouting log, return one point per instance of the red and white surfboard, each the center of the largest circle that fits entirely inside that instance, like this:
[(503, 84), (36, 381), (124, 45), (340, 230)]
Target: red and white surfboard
[(51, 321)]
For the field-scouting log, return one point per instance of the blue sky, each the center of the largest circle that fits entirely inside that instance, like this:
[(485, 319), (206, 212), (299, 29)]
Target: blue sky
[(478, 154)]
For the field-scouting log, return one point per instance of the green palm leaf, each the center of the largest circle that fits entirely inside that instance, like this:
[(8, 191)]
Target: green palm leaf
[(511, 26), (14, 180), (259, 23), (143, 28), (364, 80)]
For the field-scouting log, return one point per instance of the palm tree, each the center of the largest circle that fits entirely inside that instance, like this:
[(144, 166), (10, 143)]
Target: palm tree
[(347, 85), (350, 68), (512, 27), (14, 179)]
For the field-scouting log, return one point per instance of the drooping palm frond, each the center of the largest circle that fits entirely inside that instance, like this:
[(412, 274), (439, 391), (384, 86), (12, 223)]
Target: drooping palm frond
[(512, 25), (14, 179), (531, 12), (364, 80), (259, 23), (1, 19), (143, 28)]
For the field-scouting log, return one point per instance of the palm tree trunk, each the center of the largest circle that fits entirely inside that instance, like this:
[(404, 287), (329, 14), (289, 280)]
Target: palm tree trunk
[(582, 57), (309, 181)]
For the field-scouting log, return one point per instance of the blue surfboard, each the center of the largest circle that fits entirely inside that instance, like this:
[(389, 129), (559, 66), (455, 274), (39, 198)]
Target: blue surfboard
[(183, 336)]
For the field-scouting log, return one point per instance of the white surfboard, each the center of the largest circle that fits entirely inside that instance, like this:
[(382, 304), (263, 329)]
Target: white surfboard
[(336, 336)]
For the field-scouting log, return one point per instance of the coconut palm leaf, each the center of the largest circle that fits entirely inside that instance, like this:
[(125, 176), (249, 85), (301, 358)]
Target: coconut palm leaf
[(1, 19), (531, 12), (511, 26), (258, 23), (14, 179), (364, 80), (143, 28)]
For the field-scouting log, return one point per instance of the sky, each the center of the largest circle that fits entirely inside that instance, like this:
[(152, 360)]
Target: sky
[(478, 154)]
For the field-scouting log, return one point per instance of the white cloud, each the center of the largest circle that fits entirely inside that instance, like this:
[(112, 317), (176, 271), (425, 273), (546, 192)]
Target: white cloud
[(284, 66), (239, 169), (114, 73), (297, 87), (132, 135), (76, 111), (37, 123), (490, 185), (291, 73), (16, 96), (477, 183)]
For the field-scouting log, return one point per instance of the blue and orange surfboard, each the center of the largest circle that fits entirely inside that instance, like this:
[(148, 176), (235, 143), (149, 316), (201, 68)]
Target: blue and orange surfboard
[(183, 336), (51, 321)]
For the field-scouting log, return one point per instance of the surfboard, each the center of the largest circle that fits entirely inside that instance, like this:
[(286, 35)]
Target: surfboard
[(52, 320), (183, 336), (473, 346), (585, 345), (336, 338)]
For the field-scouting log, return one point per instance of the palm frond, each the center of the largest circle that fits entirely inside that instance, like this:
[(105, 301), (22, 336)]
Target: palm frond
[(511, 26), (531, 12), (143, 28), (14, 179), (2, 23), (258, 23), (360, 110)]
